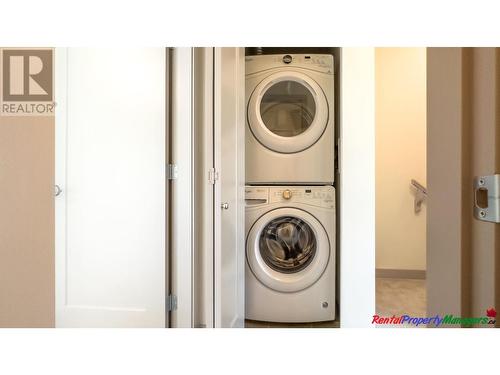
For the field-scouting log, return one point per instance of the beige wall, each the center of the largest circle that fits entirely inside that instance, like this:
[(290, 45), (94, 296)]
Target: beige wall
[(400, 75), (26, 222)]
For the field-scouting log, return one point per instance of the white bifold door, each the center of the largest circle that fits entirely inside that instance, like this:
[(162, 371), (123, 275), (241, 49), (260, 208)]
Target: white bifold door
[(111, 206), (208, 240), (229, 153)]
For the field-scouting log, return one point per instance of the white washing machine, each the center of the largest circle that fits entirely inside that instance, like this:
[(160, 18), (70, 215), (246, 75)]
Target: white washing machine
[(290, 116), (290, 253)]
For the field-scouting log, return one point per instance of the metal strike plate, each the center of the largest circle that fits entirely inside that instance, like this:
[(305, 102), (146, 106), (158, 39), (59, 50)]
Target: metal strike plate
[(487, 198)]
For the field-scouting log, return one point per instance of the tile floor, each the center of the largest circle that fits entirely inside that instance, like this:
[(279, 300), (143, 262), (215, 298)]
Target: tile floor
[(394, 297), (401, 296)]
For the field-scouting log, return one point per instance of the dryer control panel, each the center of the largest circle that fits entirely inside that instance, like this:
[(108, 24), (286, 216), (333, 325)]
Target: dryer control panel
[(316, 62), (320, 196)]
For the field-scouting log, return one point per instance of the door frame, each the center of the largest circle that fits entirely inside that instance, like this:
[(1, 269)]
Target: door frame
[(204, 188), (463, 262), (357, 187), (181, 187)]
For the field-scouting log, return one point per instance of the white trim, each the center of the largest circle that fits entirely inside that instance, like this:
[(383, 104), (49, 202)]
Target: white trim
[(61, 92), (182, 187), (204, 209), (217, 281), (240, 178), (357, 187)]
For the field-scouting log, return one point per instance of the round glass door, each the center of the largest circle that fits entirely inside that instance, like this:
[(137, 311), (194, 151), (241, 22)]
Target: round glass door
[(287, 244), (287, 249), (287, 108), (287, 112)]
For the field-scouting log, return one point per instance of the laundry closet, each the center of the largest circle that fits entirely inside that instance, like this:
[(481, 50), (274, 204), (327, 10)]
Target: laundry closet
[(290, 195), (294, 228)]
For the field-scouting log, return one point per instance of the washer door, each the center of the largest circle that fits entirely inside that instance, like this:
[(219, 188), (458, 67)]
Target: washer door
[(287, 112), (287, 249)]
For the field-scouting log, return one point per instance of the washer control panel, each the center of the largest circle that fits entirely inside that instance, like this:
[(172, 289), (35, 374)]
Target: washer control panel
[(320, 196)]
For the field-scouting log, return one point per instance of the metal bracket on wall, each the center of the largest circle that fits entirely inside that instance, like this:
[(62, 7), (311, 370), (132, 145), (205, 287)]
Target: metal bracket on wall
[(487, 198), (420, 195)]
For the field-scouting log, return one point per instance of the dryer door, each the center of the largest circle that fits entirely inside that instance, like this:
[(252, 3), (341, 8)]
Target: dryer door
[(287, 112), (287, 249)]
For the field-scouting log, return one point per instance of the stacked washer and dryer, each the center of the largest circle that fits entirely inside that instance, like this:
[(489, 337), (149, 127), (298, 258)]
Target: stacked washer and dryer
[(290, 198)]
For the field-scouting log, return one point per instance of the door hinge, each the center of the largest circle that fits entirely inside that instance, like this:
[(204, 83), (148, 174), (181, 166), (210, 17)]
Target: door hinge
[(487, 198), (213, 175), (172, 171), (172, 302)]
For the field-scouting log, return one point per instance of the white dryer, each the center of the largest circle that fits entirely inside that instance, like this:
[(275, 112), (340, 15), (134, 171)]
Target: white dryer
[(290, 253), (290, 119)]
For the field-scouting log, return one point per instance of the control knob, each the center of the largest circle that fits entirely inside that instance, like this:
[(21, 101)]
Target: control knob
[(287, 194)]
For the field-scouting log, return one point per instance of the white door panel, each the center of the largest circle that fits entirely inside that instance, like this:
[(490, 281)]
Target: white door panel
[(182, 186), (110, 164), (229, 110)]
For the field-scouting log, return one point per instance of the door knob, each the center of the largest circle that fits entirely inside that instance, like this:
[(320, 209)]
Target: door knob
[(57, 190), (224, 206)]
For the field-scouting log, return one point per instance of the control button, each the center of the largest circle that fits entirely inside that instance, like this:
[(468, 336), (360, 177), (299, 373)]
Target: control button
[(287, 59), (287, 194)]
